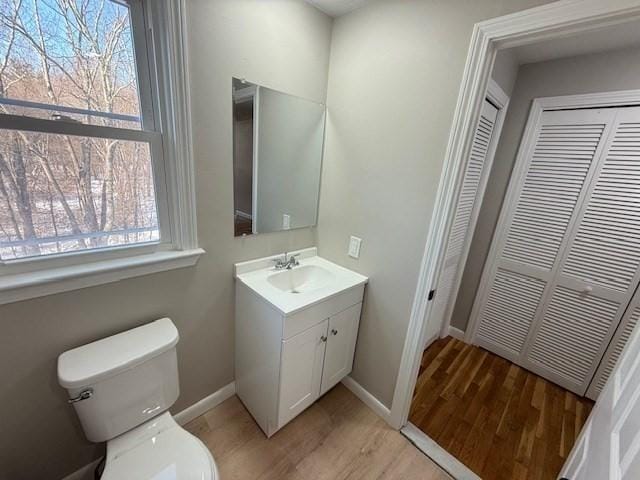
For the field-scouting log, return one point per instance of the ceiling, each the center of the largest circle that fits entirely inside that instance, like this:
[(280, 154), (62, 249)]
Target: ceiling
[(620, 36), (335, 8)]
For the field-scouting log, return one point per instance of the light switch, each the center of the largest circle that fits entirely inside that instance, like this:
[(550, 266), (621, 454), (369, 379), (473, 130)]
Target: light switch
[(286, 221), (354, 247)]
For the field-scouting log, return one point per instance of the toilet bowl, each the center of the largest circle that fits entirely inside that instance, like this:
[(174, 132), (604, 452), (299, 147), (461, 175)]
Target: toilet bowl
[(121, 388)]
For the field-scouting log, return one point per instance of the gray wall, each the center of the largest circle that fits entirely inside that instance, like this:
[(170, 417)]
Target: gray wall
[(505, 70), (282, 44), (601, 72), (290, 136), (394, 79)]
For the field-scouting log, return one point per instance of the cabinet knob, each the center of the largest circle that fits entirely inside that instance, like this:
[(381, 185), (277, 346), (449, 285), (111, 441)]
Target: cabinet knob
[(323, 338), (334, 331)]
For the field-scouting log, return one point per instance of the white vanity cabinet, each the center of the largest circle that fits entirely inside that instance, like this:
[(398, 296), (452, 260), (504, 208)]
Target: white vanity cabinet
[(286, 361), (315, 360)]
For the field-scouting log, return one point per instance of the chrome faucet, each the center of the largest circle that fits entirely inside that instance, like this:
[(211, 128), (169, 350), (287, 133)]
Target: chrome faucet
[(286, 262)]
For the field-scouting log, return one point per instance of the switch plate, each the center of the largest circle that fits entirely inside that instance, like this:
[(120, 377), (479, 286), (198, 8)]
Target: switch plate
[(354, 247), (286, 221)]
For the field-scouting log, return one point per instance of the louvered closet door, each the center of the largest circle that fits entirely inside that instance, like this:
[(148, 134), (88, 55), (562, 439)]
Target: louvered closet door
[(460, 232), (598, 271), (614, 350), (539, 211)]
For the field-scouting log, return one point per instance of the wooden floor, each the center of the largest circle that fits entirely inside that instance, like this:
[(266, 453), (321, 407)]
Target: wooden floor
[(336, 438), (501, 421)]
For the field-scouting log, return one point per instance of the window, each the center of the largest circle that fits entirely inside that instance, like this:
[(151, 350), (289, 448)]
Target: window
[(81, 158), (96, 173)]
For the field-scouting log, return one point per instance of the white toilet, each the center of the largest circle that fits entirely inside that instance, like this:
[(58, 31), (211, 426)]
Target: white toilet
[(121, 388)]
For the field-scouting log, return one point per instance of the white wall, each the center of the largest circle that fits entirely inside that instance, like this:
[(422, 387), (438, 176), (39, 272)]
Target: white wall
[(283, 44), (617, 70), (394, 78)]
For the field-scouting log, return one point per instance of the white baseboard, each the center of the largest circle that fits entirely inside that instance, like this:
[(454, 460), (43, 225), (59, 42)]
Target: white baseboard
[(439, 455), (456, 333), (369, 400), (206, 404), (183, 417), (84, 473)]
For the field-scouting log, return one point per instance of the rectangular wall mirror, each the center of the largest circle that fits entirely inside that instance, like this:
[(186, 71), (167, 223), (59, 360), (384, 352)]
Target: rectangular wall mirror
[(277, 158)]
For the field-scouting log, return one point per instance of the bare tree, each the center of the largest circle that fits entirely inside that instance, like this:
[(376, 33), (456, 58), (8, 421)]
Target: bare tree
[(76, 53)]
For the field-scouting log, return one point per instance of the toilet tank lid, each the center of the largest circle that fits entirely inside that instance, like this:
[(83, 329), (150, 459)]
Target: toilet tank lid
[(92, 363)]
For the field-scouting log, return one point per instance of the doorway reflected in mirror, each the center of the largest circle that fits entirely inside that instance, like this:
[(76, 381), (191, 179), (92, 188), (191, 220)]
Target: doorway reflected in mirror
[(277, 158)]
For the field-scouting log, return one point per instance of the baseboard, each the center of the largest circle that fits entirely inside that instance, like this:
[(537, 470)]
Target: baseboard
[(456, 333), (369, 400), (206, 404), (183, 417), (84, 473), (439, 455)]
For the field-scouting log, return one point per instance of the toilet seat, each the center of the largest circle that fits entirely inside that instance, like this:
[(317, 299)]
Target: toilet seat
[(158, 450)]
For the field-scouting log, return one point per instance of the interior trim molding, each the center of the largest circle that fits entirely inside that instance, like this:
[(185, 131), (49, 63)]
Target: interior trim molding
[(23, 286), (169, 18), (439, 455), (84, 473), (182, 418), (456, 333), (206, 404), (367, 398), (553, 20)]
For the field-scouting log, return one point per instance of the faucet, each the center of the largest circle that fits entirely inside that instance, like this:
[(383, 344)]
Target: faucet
[(286, 262)]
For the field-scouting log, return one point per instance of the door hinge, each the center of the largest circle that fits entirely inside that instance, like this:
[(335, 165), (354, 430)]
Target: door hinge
[(432, 293)]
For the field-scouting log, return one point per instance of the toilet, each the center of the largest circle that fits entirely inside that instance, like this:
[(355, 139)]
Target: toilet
[(121, 388)]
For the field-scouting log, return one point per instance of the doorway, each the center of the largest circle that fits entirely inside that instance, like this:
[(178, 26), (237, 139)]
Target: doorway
[(452, 369)]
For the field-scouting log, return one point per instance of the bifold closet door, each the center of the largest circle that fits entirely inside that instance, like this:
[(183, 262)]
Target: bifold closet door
[(459, 233), (609, 444), (598, 271), (566, 256)]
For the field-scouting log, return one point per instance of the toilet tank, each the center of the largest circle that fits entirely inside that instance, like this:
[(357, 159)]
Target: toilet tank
[(124, 380)]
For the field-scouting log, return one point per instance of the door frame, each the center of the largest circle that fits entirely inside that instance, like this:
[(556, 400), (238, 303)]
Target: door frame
[(496, 96), (554, 20), (527, 147)]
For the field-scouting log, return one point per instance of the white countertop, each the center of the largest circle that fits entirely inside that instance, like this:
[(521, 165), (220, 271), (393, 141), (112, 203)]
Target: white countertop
[(254, 274)]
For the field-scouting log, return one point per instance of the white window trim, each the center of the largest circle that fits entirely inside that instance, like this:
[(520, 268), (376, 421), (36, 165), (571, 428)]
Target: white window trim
[(107, 266)]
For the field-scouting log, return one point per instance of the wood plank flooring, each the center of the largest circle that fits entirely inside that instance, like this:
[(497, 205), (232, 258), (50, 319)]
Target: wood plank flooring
[(500, 420), (336, 438)]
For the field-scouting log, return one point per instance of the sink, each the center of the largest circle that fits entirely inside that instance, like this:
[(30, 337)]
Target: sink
[(302, 279), (315, 280)]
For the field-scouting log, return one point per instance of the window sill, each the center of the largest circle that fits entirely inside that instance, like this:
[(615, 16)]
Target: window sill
[(23, 286)]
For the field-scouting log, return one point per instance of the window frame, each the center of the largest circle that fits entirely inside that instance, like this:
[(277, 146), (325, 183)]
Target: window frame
[(162, 74)]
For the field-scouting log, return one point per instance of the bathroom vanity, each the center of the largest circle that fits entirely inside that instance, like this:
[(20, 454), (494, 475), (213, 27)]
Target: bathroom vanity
[(296, 332)]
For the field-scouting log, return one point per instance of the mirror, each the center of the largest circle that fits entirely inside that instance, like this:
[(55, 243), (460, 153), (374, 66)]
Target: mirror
[(277, 157)]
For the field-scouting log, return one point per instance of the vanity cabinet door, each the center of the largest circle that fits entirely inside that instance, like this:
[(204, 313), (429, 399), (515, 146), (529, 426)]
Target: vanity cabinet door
[(338, 359), (301, 371)]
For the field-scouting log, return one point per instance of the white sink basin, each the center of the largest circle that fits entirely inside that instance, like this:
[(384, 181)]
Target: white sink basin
[(289, 291), (302, 279)]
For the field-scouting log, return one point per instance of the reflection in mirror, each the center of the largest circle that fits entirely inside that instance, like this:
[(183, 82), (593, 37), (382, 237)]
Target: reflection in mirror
[(277, 157)]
